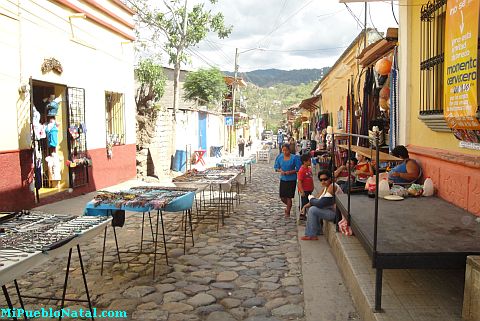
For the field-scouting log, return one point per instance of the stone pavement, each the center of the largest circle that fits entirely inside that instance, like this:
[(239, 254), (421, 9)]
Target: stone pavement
[(250, 270)]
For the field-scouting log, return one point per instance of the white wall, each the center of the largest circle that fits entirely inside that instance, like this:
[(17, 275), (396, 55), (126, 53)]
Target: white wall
[(93, 58)]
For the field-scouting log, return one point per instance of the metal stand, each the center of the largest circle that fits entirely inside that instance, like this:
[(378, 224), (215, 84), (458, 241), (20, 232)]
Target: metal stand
[(64, 292)]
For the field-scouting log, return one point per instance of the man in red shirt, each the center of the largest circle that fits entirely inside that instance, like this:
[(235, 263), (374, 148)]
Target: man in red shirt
[(305, 181)]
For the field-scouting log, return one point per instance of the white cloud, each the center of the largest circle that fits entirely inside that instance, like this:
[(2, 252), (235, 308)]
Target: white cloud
[(297, 33)]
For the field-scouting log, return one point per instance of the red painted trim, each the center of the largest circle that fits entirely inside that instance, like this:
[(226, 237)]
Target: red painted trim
[(101, 22), (9, 151), (447, 156), (109, 13), (124, 7)]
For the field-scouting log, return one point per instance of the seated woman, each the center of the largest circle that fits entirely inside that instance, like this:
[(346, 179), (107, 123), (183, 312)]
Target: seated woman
[(408, 171), (342, 173), (363, 169), (321, 208)]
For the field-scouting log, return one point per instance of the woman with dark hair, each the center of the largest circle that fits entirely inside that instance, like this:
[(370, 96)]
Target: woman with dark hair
[(322, 207), (406, 172), (287, 165)]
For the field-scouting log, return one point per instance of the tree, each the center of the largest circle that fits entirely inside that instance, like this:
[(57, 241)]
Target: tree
[(207, 85), (182, 30), (151, 79)]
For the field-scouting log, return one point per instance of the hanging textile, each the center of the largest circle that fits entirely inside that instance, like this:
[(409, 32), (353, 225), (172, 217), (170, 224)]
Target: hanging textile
[(353, 118), (347, 104), (366, 111), (394, 101)]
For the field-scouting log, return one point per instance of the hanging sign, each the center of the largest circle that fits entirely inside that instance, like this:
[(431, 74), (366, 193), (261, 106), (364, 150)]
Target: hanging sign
[(228, 120), (460, 75)]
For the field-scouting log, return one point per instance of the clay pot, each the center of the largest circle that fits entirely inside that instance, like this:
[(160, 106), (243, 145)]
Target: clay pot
[(383, 66)]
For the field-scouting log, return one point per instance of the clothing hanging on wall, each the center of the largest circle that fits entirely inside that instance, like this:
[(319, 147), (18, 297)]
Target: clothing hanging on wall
[(52, 134), (54, 170)]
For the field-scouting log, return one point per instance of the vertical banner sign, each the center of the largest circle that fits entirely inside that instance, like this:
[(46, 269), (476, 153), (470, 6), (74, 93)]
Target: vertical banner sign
[(460, 75)]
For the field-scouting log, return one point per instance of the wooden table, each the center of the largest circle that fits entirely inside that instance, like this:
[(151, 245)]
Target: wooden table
[(371, 153)]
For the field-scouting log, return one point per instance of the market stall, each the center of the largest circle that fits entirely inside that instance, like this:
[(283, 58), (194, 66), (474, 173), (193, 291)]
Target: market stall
[(145, 200), (218, 196), (30, 239)]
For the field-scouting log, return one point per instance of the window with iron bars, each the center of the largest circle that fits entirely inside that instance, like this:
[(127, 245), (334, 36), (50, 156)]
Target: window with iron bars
[(432, 56), (115, 118)]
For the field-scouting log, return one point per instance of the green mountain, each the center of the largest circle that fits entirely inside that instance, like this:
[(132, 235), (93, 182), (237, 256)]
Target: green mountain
[(270, 77)]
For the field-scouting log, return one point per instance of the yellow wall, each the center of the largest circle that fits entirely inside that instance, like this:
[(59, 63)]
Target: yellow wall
[(334, 87), (418, 133)]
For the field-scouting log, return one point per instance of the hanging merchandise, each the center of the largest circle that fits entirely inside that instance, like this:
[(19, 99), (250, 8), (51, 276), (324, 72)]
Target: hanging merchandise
[(54, 170), (383, 66), (52, 133), (52, 105), (74, 132), (394, 102), (38, 129)]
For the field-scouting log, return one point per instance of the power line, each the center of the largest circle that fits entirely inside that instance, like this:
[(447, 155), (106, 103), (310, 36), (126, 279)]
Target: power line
[(285, 21), (375, 28), (360, 24)]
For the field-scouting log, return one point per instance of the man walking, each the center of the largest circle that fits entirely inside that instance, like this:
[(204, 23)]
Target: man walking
[(241, 146)]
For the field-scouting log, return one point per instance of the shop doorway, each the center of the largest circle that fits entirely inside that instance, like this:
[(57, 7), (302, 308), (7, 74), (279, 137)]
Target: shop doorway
[(60, 153), (49, 119)]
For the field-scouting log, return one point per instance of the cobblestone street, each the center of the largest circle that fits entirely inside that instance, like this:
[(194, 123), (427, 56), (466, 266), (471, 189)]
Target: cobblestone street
[(249, 270)]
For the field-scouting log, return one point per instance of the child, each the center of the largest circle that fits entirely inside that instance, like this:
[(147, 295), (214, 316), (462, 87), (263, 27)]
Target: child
[(305, 181), (363, 169), (341, 174)]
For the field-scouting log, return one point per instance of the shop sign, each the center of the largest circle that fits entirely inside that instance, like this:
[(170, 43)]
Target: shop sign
[(460, 75), (228, 120)]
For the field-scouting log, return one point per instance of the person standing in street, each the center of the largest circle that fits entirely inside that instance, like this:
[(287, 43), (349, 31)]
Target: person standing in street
[(280, 142), (304, 145), (287, 165), (241, 146), (305, 181)]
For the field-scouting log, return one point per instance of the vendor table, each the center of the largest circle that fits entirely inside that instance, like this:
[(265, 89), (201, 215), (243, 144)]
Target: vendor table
[(145, 199), (415, 233), (198, 154), (25, 246), (216, 151), (219, 183)]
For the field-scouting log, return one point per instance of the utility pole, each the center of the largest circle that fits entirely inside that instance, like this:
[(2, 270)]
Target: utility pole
[(234, 89)]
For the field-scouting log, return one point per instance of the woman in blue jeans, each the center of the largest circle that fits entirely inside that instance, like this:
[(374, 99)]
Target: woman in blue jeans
[(321, 208)]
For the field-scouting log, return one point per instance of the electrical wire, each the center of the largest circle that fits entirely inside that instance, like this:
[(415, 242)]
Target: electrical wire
[(393, 13), (371, 21), (285, 21), (360, 24)]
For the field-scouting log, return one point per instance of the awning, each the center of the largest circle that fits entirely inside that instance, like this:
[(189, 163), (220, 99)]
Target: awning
[(310, 104)]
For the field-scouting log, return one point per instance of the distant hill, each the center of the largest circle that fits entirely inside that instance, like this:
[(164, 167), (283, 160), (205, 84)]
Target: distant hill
[(270, 77)]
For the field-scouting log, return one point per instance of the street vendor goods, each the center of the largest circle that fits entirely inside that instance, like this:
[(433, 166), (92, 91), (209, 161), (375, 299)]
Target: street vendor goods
[(156, 198)]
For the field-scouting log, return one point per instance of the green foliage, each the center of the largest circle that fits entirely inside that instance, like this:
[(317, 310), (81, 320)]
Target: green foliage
[(170, 24), (268, 103), (206, 85), (271, 77), (298, 123), (152, 79)]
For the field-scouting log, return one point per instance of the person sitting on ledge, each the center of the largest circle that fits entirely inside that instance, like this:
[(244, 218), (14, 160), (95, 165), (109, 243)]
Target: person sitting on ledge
[(408, 171), (320, 208)]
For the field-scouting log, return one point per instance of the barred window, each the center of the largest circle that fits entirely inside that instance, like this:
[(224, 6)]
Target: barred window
[(115, 118), (432, 56)]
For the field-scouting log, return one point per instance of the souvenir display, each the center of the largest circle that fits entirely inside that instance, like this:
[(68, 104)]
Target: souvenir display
[(153, 197)]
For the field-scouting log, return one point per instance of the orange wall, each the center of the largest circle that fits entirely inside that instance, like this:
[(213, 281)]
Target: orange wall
[(456, 181)]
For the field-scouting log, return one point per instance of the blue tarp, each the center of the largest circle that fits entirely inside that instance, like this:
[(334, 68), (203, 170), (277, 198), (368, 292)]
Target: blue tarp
[(179, 204)]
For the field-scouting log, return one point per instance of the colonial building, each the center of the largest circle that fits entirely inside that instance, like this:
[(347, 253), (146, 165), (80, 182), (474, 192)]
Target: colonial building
[(68, 99)]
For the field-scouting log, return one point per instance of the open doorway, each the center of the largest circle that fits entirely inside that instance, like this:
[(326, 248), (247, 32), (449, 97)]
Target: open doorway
[(49, 123)]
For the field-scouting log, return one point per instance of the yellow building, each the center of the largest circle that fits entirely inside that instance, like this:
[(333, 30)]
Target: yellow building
[(333, 87), (453, 164)]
